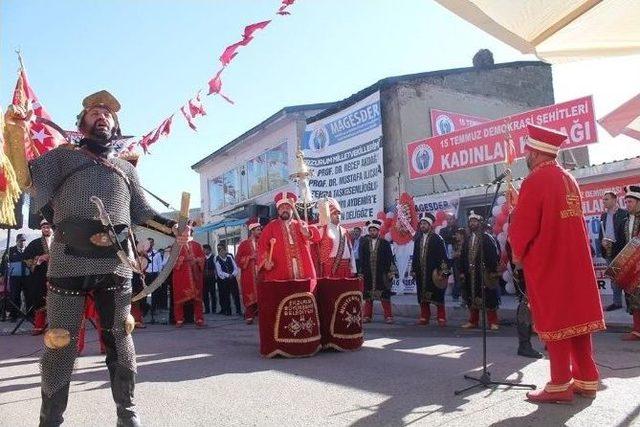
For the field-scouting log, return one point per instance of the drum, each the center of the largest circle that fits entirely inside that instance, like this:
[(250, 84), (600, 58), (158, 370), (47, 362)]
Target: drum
[(625, 268), (289, 325), (340, 305)]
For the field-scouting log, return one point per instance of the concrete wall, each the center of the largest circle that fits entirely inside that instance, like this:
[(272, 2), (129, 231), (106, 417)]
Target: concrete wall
[(490, 93)]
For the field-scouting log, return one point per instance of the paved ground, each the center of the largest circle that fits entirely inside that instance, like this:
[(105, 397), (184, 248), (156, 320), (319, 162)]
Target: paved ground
[(405, 374), (407, 306)]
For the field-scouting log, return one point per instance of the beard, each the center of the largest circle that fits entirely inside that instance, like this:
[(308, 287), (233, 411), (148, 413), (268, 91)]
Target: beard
[(285, 216), (100, 132), (529, 162)]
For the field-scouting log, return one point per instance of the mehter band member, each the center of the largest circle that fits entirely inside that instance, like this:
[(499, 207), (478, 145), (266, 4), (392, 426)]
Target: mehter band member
[(247, 257), (631, 229), (283, 247), (430, 269), (336, 251), (550, 241), (478, 271), (376, 258)]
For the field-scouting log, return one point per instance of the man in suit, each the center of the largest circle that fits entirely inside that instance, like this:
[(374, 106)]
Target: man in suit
[(209, 285), (18, 275), (611, 238)]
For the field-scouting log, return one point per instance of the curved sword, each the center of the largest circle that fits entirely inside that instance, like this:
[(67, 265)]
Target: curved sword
[(183, 219)]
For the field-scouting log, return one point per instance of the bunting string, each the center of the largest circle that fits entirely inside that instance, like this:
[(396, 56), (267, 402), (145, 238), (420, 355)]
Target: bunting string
[(194, 107)]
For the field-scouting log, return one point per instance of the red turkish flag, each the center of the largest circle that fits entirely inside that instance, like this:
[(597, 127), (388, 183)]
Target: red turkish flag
[(24, 96), (229, 53), (188, 118), (250, 29), (284, 6), (152, 137), (42, 137), (215, 86), (195, 107)]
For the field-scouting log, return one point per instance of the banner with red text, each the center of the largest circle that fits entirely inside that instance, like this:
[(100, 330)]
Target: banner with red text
[(592, 208), (443, 122), (484, 144)]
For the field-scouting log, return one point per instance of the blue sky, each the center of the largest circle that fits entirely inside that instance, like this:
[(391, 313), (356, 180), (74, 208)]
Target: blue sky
[(155, 54)]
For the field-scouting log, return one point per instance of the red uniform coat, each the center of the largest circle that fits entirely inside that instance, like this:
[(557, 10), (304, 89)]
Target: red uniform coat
[(188, 273), (247, 256), (549, 237), (345, 267), (285, 252)]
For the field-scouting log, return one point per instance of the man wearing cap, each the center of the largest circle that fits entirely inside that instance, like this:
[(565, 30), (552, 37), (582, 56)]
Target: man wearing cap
[(631, 229), (247, 256), (283, 246), (550, 242), (429, 261), (479, 260), (83, 258), (18, 276), (611, 238), (336, 251), (377, 266), (37, 258)]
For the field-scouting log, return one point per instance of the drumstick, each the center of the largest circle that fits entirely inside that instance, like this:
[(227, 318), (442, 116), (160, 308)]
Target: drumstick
[(272, 242)]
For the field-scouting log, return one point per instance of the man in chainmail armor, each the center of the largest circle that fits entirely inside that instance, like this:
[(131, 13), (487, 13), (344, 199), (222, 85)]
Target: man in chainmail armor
[(83, 255)]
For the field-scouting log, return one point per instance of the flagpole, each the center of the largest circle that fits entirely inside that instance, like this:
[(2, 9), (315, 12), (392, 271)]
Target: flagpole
[(20, 59)]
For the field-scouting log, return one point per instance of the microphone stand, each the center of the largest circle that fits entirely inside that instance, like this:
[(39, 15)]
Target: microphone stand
[(485, 380)]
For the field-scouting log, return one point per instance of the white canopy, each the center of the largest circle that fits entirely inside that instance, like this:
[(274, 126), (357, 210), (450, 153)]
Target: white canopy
[(557, 30)]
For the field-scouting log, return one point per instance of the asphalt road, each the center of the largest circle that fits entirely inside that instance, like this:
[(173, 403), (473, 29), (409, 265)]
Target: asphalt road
[(404, 374)]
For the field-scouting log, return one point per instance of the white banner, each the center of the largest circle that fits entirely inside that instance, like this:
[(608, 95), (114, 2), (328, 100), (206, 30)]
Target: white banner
[(344, 150), (447, 204)]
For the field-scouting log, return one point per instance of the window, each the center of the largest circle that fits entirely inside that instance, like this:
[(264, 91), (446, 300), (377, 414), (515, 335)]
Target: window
[(257, 175), (278, 170), (216, 194)]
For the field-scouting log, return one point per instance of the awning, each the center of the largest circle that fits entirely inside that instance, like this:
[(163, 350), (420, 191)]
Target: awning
[(624, 120), (557, 30), (227, 222)]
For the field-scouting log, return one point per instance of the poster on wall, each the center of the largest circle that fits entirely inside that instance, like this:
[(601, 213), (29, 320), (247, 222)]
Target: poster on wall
[(344, 151), (443, 122), (484, 144), (592, 207)]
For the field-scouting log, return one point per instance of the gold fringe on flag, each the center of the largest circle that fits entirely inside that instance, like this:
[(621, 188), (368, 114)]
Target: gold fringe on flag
[(16, 136), (9, 188)]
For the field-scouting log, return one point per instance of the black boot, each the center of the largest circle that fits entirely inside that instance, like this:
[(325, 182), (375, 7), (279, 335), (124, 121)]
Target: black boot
[(524, 347), (53, 407), (123, 383)]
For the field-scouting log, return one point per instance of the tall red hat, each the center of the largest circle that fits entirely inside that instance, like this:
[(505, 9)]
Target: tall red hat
[(252, 223), (285, 197), (544, 139)]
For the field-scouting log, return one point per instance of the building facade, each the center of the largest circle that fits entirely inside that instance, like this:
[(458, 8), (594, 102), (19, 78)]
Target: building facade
[(240, 179)]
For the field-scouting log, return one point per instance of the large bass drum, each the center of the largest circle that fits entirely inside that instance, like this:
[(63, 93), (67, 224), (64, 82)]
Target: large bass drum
[(625, 268), (288, 322), (340, 306)]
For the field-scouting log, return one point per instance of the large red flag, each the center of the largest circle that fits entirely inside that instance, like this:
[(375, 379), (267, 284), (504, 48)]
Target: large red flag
[(42, 137)]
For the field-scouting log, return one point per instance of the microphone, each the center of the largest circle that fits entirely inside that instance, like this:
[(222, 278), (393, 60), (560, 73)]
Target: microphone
[(502, 176)]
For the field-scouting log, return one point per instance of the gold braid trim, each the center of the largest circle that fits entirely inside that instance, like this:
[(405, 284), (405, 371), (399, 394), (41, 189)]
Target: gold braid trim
[(573, 331)]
